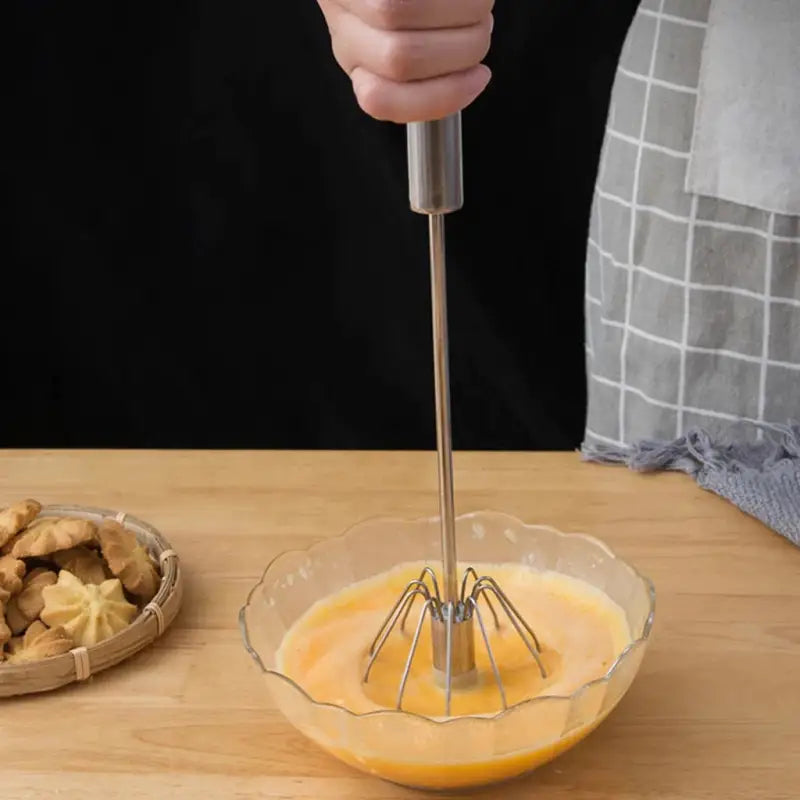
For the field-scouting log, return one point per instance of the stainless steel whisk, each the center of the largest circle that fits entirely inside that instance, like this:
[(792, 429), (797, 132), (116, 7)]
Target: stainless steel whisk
[(435, 177)]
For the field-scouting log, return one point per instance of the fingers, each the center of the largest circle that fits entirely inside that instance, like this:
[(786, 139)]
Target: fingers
[(411, 60), (405, 55), (396, 15), (393, 101)]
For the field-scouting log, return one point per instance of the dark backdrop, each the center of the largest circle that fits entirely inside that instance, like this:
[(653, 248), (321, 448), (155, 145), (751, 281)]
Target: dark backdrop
[(207, 244)]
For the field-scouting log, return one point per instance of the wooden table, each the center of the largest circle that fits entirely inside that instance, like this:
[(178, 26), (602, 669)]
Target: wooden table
[(714, 713)]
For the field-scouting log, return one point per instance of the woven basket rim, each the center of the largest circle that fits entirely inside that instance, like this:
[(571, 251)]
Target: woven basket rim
[(80, 663)]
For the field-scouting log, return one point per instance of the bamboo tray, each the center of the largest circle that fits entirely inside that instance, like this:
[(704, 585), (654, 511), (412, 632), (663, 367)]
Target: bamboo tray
[(81, 663)]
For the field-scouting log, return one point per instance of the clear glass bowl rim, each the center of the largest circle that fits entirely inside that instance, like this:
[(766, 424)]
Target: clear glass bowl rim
[(490, 718)]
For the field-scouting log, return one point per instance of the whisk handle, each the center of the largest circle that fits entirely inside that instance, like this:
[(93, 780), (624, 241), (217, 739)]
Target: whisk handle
[(435, 165)]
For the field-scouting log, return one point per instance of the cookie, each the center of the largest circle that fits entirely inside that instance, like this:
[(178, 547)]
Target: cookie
[(51, 534), (12, 571), (39, 642), (128, 560), (89, 614), (5, 631), (14, 518), (84, 563), (25, 607)]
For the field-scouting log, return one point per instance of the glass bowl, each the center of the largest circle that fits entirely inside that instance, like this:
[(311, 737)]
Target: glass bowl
[(457, 752)]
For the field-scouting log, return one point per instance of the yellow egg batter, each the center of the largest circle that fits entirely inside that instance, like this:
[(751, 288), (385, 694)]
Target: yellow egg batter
[(580, 629)]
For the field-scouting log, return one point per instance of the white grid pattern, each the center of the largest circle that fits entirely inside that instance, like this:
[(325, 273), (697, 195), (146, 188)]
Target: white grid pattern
[(658, 148), (700, 223), (623, 361), (699, 287), (690, 348), (762, 383), (656, 81), (713, 270), (671, 406), (687, 286), (660, 15)]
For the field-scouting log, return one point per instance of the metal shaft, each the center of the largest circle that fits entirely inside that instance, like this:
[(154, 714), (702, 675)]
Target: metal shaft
[(444, 446), (436, 188)]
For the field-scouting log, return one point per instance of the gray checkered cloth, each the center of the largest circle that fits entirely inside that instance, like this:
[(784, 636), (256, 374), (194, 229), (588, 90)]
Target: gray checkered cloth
[(761, 478), (692, 303)]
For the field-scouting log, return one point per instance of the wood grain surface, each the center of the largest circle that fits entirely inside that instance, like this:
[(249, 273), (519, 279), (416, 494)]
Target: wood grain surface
[(714, 713)]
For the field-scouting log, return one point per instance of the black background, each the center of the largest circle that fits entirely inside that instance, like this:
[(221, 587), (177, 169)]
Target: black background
[(207, 243)]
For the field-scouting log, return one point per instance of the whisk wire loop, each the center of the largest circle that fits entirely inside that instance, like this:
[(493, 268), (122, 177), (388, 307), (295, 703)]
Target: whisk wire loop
[(498, 680), (419, 587), (426, 608), (450, 618), (389, 624), (429, 573)]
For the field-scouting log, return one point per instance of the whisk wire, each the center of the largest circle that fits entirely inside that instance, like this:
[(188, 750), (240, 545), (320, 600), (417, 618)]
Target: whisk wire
[(420, 588), (470, 572), (445, 616), (426, 608), (389, 624), (533, 647), (432, 575), (508, 606), (498, 680), (448, 683), (426, 572)]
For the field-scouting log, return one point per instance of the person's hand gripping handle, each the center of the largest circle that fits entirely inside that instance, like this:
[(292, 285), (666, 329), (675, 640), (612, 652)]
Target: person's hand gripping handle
[(412, 60)]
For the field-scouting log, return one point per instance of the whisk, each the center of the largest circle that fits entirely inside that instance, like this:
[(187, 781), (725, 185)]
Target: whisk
[(435, 175)]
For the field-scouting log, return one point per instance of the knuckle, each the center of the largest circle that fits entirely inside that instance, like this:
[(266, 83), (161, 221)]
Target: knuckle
[(389, 14), (370, 96), (341, 56), (482, 8), (397, 59), (419, 14), (474, 12), (484, 40)]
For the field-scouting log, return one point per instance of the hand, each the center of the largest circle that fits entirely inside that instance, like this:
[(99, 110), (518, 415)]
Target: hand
[(411, 60)]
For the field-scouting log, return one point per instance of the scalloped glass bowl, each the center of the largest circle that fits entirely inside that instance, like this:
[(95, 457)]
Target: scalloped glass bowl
[(460, 752)]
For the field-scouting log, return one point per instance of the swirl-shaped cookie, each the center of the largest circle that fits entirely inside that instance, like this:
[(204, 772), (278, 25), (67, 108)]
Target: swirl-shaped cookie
[(88, 613)]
